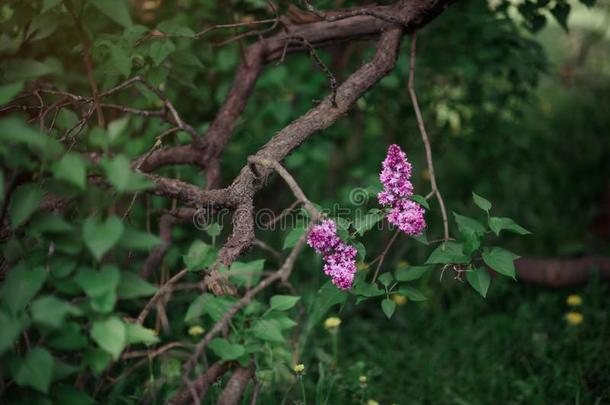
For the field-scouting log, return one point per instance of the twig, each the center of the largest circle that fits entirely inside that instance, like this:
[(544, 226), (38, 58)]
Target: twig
[(282, 274), (166, 288), (85, 43), (314, 55), (424, 136), (384, 253), (290, 181)]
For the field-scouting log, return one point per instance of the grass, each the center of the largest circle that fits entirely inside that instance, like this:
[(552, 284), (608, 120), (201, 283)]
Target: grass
[(456, 348)]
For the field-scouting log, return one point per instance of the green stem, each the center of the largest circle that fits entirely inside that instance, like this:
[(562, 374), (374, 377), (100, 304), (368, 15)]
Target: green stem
[(335, 337), (302, 390)]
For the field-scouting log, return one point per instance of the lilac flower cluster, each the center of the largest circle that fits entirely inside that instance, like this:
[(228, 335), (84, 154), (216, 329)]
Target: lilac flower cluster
[(339, 258), (406, 214)]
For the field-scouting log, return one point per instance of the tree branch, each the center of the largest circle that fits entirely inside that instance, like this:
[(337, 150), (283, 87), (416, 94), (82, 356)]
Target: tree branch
[(424, 135)]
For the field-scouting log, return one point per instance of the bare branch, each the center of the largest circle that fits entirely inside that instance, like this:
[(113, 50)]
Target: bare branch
[(424, 135)]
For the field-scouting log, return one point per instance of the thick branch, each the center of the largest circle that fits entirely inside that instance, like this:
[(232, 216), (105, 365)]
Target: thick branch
[(201, 385), (315, 120), (236, 386)]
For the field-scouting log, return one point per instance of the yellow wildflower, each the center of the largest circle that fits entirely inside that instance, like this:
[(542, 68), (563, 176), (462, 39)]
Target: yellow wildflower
[(196, 330), (332, 323), (574, 300), (298, 368), (574, 318), (362, 379), (372, 402), (399, 299)]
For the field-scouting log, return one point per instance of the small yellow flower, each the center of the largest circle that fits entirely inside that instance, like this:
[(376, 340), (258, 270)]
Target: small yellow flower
[(196, 330), (332, 323), (574, 300), (574, 318), (298, 368), (372, 402), (362, 379), (399, 299)]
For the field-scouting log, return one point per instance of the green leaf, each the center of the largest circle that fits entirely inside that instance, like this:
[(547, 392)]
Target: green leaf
[(268, 330), (98, 283), (367, 222), (116, 128), (195, 310), (199, 256), (50, 311), (411, 273), (367, 289), (448, 252), (479, 280), (68, 338), (214, 307), (160, 49), (9, 91), (225, 350), (386, 279), (293, 236), (135, 239), (133, 286), (138, 334), (42, 26), (67, 395), (246, 274), (283, 321), (116, 10), (71, 169), (421, 200), (283, 302), (99, 236), (45, 222), (217, 307), (14, 131), (21, 285), (213, 230), (36, 370), (561, 11), (121, 60), (110, 334), (412, 293), (501, 260), (498, 224), (62, 370), (119, 174), (26, 69), (10, 330), (481, 202), (388, 306), (327, 297), (97, 360), (24, 203), (467, 224)]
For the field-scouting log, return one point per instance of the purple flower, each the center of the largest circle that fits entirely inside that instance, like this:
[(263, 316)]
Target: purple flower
[(395, 174), (407, 215), (323, 237), (339, 258)]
